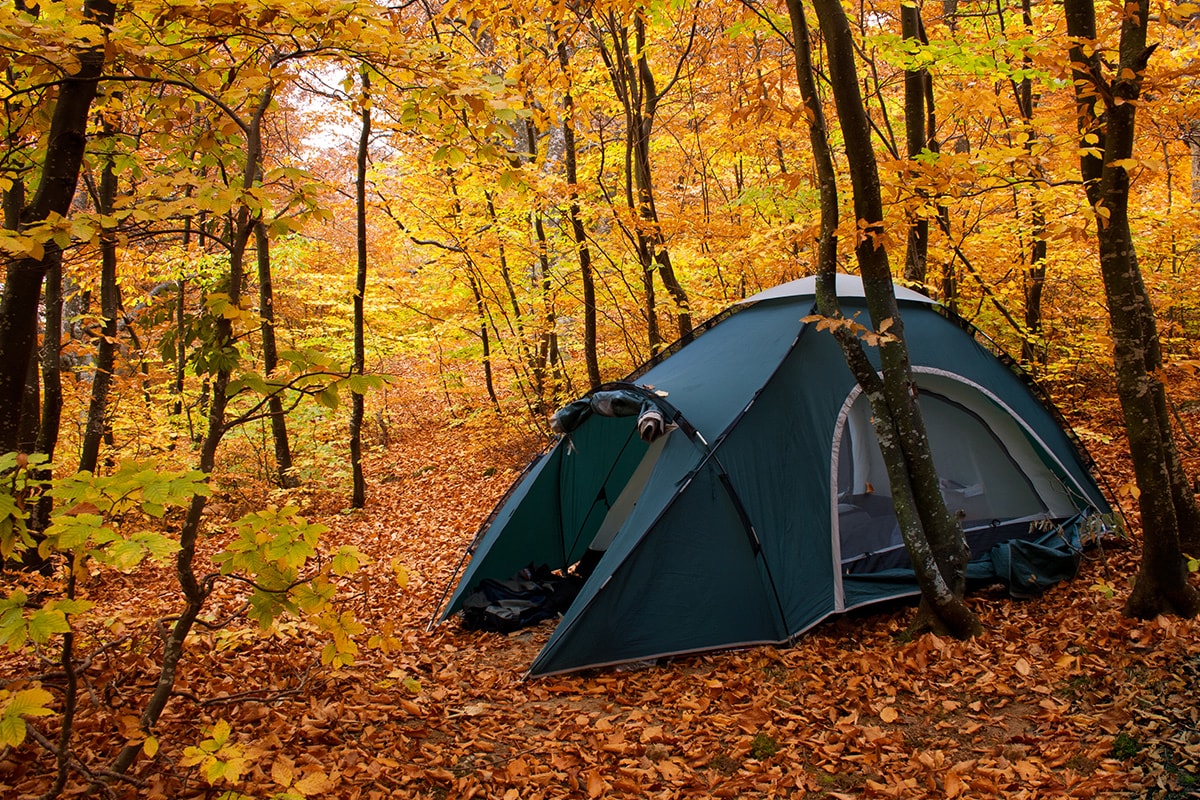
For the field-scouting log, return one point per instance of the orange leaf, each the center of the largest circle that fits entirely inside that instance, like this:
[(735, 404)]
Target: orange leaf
[(595, 784)]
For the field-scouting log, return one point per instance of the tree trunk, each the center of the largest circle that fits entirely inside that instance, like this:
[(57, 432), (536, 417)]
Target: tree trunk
[(931, 533), (195, 591), (357, 407), (31, 401), (544, 371), (93, 433), (1168, 509), (634, 83), (1194, 146), (578, 231), (1033, 352), (917, 140), (59, 176), (285, 472)]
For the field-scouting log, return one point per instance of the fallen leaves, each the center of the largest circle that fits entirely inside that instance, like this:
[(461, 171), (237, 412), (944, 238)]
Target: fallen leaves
[(1032, 709)]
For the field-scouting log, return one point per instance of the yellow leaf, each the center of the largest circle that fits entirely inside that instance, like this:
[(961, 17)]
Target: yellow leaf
[(314, 783), (282, 772), (150, 746)]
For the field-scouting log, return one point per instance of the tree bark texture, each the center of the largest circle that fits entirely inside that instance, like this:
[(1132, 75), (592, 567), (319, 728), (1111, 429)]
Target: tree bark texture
[(932, 535), (93, 433), (357, 407), (916, 140), (59, 176), (1168, 508), (285, 474), (578, 231)]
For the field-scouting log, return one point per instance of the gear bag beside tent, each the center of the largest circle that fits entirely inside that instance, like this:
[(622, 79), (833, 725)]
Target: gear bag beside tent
[(760, 506)]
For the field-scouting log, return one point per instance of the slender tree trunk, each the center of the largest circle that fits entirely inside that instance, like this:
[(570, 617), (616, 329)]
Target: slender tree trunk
[(578, 231), (1032, 350), (917, 140), (931, 533), (1194, 146), (31, 401), (93, 433), (59, 176), (634, 83), (286, 474), (1168, 509), (357, 408), (546, 349), (180, 343), (475, 282), (526, 364)]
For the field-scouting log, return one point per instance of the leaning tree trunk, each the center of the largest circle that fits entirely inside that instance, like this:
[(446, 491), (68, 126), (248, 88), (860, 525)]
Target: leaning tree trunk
[(1168, 509), (195, 589), (933, 536)]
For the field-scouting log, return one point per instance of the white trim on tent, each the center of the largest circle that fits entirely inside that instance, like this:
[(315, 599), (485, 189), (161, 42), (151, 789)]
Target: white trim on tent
[(839, 593), (1076, 490)]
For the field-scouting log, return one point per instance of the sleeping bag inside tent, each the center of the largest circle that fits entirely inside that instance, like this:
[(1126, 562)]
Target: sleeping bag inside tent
[(733, 492)]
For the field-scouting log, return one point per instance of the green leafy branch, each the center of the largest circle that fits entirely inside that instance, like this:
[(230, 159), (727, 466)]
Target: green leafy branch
[(270, 552), (20, 488)]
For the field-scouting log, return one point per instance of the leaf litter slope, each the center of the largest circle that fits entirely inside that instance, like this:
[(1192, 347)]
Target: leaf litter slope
[(1062, 697)]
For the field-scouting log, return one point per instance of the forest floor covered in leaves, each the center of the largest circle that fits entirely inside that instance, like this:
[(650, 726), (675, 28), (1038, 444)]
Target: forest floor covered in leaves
[(1061, 697)]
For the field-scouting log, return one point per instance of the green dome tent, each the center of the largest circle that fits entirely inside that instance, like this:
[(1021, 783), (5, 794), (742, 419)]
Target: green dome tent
[(762, 506)]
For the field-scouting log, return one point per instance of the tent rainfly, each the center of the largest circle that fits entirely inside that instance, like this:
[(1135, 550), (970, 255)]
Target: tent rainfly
[(761, 505)]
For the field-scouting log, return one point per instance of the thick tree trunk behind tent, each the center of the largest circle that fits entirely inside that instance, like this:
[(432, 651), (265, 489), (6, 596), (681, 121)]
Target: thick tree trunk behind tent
[(933, 536), (1168, 508)]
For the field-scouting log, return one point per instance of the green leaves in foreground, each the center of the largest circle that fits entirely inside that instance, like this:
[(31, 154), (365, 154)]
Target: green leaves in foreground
[(100, 521), (101, 514), (15, 706), (218, 758), (22, 624), (310, 372), (273, 552)]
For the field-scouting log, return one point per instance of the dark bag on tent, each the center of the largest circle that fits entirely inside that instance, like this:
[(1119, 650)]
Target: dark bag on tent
[(532, 595)]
